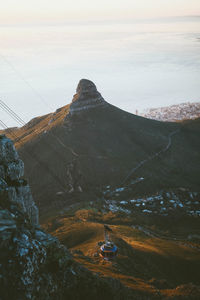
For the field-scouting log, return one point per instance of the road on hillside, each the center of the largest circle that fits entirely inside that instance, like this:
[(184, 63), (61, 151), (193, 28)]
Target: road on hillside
[(141, 163)]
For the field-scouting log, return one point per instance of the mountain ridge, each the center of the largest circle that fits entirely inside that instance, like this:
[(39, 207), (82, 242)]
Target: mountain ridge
[(80, 153), (101, 165)]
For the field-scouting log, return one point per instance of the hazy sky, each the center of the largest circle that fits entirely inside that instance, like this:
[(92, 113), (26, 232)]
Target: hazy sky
[(20, 11), (137, 55)]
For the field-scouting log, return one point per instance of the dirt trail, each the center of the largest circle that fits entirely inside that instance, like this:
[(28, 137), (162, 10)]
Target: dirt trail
[(155, 235), (166, 148)]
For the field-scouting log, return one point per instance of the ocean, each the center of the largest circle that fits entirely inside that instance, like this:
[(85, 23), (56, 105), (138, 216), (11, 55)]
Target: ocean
[(135, 65)]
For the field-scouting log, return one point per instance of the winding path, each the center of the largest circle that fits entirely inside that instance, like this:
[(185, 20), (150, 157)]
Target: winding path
[(152, 156), (155, 235)]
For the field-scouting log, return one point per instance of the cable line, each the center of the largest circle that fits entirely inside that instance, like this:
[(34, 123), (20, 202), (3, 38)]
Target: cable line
[(16, 118), (7, 109), (33, 156), (25, 81), (21, 122), (45, 166)]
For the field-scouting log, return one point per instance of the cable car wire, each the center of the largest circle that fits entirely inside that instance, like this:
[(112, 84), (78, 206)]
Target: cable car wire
[(21, 122), (7, 109), (16, 118), (33, 156), (13, 115), (38, 95)]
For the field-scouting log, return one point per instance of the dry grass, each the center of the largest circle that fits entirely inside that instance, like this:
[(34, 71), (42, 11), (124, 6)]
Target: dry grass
[(37, 126), (143, 263)]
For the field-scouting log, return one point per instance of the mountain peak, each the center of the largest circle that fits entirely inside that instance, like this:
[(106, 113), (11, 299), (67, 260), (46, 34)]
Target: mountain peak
[(86, 97), (86, 86)]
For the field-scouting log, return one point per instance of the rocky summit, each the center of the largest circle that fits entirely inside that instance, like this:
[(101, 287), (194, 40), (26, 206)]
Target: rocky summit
[(73, 154), (86, 97)]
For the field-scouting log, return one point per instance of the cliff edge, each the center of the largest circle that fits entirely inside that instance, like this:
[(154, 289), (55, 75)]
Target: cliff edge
[(33, 264)]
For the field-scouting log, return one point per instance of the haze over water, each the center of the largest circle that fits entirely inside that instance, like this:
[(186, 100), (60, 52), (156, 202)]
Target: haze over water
[(135, 65)]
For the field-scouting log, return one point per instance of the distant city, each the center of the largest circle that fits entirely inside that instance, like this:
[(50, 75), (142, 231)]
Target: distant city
[(173, 113)]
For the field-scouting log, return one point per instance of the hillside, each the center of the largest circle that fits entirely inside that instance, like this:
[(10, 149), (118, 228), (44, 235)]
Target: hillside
[(90, 164), (174, 113), (73, 154), (151, 261), (33, 264), (151, 264)]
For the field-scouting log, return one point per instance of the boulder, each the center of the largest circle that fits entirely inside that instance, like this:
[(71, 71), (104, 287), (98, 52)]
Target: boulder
[(2, 172), (15, 170), (8, 152), (12, 188)]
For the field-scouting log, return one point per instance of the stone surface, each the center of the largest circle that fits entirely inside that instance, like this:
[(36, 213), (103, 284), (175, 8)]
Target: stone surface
[(86, 97), (3, 184), (7, 151), (12, 188), (2, 172), (15, 170), (24, 195)]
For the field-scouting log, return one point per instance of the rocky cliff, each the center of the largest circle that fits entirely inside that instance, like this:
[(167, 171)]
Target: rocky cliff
[(86, 97), (33, 264), (12, 187)]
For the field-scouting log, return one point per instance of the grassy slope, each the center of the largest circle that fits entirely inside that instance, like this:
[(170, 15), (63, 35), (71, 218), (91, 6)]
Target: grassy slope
[(104, 144), (152, 265), (108, 139)]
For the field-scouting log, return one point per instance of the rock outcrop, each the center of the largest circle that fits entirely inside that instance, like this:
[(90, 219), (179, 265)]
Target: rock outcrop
[(12, 187), (86, 97), (33, 264)]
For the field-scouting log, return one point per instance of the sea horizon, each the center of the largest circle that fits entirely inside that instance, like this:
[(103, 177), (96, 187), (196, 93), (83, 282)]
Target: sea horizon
[(136, 64)]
